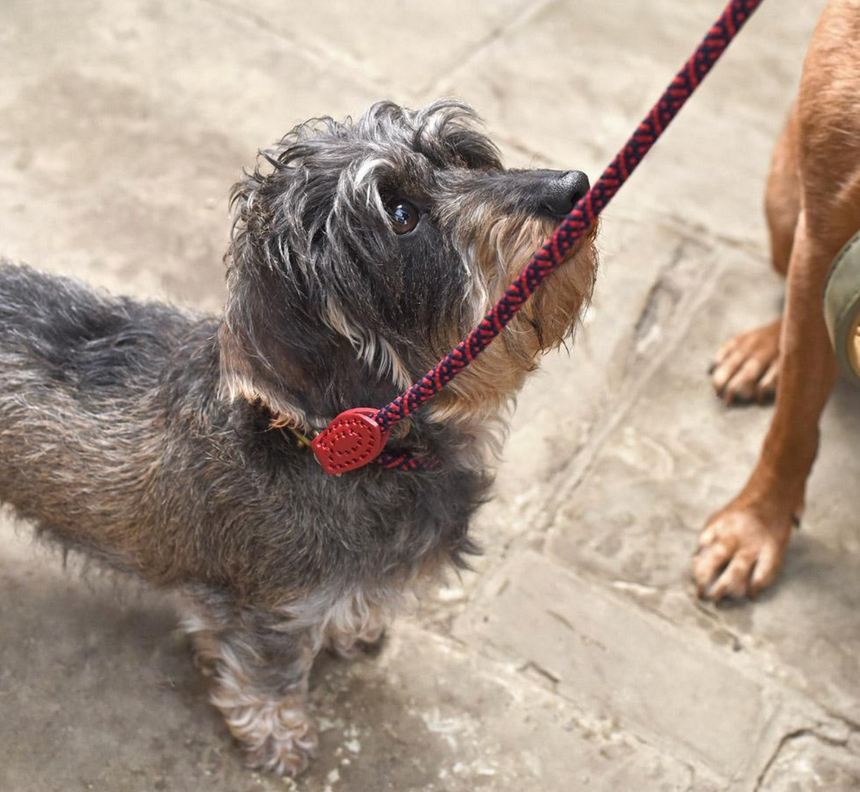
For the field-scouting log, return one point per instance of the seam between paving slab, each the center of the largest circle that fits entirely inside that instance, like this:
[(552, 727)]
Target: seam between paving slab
[(316, 49), (793, 714), (498, 666), (636, 379), (306, 47), (516, 20)]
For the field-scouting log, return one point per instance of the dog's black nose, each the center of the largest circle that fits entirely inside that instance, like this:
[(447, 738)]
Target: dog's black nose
[(562, 192)]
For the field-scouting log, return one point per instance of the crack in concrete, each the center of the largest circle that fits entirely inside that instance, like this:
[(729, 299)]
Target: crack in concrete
[(815, 732), (531, 665), (851, 725), (516, 19), (696, 232), (662, 300), (316, 51), (683, 312), (784, 740), (307, 47)]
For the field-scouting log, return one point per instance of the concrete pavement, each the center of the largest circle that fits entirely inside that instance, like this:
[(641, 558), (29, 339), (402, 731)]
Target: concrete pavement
[(576, 657)]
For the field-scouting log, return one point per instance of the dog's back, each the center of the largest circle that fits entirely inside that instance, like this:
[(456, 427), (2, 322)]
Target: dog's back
[(79, 374), (60, 337)]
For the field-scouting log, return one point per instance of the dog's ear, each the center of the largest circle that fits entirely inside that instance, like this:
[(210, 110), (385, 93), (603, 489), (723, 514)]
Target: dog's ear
[(263, 358), (276, 350), (258, 363), (282, 341)]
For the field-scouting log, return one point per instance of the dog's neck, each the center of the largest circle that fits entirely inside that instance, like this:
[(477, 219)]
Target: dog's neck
[(442, 442)]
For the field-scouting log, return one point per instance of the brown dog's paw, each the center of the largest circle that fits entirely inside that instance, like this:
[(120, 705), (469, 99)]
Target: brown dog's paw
[(747, 367), (739, 554)]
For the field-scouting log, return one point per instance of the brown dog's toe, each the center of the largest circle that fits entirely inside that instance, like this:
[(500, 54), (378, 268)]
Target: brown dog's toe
[(746, 368), (739, 554)]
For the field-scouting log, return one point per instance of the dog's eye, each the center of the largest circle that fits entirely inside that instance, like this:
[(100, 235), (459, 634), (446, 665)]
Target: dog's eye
[(404, 216)]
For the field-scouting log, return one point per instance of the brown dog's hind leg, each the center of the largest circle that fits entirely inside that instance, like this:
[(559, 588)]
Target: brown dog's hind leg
[(746, 367), (742, 546)]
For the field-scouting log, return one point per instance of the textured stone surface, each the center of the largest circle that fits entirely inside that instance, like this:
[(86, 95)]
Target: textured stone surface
[(123, 132), (608, 72), (660, 467), (576, 656), (401, 48), (619, 662), (97, 693), (809, 763)]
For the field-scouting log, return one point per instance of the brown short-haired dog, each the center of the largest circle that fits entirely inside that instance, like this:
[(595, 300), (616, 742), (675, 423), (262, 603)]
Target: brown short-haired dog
[(158, 442), (813, 209)]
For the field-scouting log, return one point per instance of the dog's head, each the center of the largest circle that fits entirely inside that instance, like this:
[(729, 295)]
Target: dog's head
[(363, 251)]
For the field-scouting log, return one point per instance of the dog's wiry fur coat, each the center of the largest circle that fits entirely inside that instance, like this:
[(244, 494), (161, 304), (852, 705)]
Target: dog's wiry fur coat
[(152, 439)]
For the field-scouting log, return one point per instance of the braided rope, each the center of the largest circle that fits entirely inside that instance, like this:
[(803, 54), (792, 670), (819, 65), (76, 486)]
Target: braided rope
[(577, 223), (404, 461)]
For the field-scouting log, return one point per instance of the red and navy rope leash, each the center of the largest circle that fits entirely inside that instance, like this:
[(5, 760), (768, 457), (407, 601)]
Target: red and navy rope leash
[(358, 436)]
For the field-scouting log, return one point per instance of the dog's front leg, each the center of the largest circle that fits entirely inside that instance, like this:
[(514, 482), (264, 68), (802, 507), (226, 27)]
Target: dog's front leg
[(742, 546), (259, 666)]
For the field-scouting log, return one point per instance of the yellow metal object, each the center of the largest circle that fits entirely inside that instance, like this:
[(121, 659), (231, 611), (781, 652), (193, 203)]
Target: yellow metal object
[(303, 440), (854, 348)]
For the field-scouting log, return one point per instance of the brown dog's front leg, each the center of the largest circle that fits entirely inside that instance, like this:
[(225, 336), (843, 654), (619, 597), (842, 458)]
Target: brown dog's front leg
[(742, 546)]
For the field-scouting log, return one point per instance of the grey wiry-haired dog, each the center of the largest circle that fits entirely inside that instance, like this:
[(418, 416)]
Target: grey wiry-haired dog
[(158, 442)]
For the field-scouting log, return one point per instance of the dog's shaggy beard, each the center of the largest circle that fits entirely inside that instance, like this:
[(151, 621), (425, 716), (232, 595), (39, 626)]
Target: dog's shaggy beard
[(495, 249)]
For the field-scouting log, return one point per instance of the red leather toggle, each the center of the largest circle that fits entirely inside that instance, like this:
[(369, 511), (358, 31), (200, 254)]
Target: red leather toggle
[(350, 441)]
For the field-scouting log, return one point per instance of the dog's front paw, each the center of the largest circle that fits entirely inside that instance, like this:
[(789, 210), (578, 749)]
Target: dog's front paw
[(746, 369), (740, 553), (278, 737), (286, 751), (366, 637)]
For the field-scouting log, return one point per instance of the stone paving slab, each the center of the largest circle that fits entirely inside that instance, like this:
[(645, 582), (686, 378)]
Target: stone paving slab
[(146, 114), (400, 47), (621, 663), (479, 725), (647, 280), (122, 125), (608, 66), (689, 445), (633, 520), (103, 696)]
